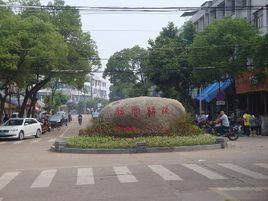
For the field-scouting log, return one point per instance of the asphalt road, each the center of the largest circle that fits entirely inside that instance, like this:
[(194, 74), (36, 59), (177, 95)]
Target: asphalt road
[(30, 172)]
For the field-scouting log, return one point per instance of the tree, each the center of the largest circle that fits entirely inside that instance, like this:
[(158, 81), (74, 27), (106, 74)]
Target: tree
[(226, 46), (188, 33), (167, 63), (58, 100), (260, 59), (125, 70), (37, 45)]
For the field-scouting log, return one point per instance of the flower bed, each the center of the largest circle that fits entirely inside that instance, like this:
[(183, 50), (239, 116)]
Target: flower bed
[(109, 142), (183, 127)]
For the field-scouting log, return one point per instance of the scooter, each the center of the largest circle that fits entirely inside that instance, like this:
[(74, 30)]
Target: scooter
[(80, 120), (232, 133)]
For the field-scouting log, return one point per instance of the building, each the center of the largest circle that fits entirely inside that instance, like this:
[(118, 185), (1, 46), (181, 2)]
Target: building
[(254, 11), (97, 87), (247, 92), (94, 87)]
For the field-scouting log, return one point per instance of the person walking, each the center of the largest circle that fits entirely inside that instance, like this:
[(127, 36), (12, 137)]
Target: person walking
[(253, 124), (246, 123), (258, 124)]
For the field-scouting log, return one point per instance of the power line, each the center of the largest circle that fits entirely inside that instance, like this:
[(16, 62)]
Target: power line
[(130, 9), (90, 30)]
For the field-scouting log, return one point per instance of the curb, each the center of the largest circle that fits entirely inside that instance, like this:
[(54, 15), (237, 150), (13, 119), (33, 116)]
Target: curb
[(60, 146)]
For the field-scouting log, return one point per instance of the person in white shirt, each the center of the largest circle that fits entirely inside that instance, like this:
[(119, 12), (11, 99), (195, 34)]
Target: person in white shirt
[(224, 121)]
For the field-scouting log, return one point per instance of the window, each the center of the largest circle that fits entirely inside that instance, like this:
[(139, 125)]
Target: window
[(33, 121), (258, 19), (244, 3), (27, 122)]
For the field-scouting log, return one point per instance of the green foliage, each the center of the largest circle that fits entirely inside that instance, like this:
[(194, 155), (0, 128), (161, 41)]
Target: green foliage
[(225, 45), (37, 45), (125, 70), (260, 59), (53, 103), (96, 142), (167, 63), (188, 34)]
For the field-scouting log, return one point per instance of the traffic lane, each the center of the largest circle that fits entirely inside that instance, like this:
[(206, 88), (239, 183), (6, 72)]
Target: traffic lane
[(64, 131), (45, 159), (34, 152)]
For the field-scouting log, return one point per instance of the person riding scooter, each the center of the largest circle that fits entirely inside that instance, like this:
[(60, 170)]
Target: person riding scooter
[(224, 123), (80, 117)]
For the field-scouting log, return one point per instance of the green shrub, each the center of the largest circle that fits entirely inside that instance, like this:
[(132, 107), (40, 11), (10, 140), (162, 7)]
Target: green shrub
[(108, 142)]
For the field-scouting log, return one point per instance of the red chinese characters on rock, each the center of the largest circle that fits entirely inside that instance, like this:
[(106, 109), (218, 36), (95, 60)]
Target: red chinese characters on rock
[(165, 110), (119, 112), (136, 111), (151, 111)]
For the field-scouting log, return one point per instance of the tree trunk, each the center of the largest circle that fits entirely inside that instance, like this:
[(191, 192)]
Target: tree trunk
[(30, 93), (34, 101), (24, 103)]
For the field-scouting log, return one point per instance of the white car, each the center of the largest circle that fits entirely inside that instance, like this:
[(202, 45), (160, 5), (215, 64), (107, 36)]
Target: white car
[(19, 128)]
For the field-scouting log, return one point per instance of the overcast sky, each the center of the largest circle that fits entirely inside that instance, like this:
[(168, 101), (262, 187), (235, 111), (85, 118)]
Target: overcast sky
[(148, 25)]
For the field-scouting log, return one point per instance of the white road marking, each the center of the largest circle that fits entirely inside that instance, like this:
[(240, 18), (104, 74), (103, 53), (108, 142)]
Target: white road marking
[(263, 165), (44, 179), (223, 194), (52, 140), (205, 172), (242, 189), (6, 178), (244, 171), (35, 141), (85, 176), (124, 175), (3, 142), (17, 142), (165, 173)]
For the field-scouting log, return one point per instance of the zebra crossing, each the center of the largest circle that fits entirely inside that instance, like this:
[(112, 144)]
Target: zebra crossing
[(123, 174)]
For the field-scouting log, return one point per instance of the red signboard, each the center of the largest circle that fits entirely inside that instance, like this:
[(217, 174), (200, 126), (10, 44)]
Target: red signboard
[(247, 82)]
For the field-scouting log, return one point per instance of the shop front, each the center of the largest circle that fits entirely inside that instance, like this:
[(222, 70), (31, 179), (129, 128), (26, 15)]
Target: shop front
[(253, 96)]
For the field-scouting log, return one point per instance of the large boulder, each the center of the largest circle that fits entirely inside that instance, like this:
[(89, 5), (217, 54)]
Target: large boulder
[(145, 113)]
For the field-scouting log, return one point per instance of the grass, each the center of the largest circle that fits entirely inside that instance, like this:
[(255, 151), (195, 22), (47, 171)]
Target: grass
[(107, 142)]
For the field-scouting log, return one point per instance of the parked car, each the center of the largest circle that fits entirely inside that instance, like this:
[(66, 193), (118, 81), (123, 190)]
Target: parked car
[(57, 121), (64, 117), (19, 128)]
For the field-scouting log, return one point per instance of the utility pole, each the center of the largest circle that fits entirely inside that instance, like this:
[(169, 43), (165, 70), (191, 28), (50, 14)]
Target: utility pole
[(200, 100)]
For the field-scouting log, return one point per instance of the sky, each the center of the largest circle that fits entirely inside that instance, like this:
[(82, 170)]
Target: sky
[(135, 29)]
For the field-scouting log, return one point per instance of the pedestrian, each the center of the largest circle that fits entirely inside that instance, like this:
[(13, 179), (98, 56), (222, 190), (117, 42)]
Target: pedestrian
[(246, 123), (253, 124), (258, 124)]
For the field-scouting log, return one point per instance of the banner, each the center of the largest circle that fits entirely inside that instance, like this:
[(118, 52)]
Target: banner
[(247, 82)]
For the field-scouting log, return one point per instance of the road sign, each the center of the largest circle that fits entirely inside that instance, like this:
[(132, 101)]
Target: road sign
[(220, 102), (220, 96)]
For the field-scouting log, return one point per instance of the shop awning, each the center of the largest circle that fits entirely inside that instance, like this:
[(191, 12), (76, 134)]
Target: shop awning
[(210, 92)]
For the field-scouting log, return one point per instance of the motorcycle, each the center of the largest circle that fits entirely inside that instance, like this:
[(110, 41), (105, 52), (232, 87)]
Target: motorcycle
[(232, 132)]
